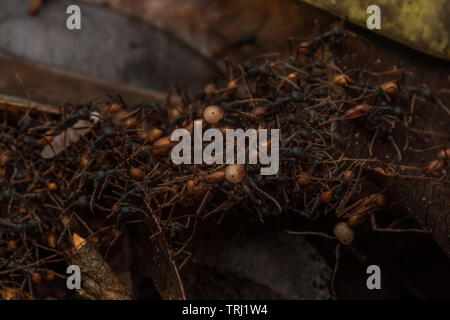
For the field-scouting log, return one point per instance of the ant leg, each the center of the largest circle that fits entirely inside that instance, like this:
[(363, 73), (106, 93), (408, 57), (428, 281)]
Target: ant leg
[(443, 107), (202, 204), (188, 256), (179, 224), (229, 67), (335, 269), (66, 229), (188, 240), (397, 149), (373, 224), (290, 45), (111, 244), (266, 195), (358, 255), (312, 233), (91, 202), (121, 100), (375, 135)]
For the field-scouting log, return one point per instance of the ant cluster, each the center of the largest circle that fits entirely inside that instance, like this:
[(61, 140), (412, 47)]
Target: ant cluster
[(98, 167)]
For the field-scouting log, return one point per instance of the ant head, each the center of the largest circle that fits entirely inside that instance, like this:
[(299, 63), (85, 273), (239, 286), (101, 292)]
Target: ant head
[(298, 152), (337, 31), (83, 114), (108, 131), (83, 201), (428, 94), (99, 175)]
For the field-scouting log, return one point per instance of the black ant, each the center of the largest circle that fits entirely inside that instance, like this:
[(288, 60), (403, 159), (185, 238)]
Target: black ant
[(19, 227), (100, 175), (108, 131), (125, 212), (296, 152), (310, 47), (425, 92), (396, 112), (81, 113), (377, 90), (248, 40), (296, 96)]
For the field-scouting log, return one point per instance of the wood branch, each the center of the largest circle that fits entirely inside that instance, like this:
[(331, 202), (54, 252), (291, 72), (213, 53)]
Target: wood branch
[(152, 258), (404, 174), (22, 105), (54, 86), (98, 281)]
